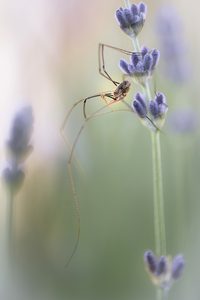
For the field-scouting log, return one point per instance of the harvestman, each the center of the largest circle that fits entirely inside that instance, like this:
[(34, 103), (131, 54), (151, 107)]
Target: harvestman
[(118, 95)]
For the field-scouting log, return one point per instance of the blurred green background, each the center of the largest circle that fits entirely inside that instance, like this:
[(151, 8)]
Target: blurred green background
[(48, 57)]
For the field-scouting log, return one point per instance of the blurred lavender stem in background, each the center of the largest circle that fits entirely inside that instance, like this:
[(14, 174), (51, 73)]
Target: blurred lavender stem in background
[(18, 149), (173, 49)]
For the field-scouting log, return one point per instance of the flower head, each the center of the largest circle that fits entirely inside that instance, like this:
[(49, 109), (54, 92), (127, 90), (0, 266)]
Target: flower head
[(170, 33), (131, 20), (18, 146), (163, 270), (141, 65), (20, 134), (183, 121), (158, 107)]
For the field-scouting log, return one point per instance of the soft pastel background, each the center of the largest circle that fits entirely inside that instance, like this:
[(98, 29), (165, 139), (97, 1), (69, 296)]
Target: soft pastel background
[(48, 58)]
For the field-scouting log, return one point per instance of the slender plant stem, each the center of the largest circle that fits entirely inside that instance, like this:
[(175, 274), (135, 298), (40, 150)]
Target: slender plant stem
[(127, 3), (8, 223), (159, 220)]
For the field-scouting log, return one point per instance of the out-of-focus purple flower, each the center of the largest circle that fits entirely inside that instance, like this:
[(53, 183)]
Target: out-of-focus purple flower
[(163, 270), (141, 65), (19, 147), (131, 20), (183, 121), (172, 47), (20, 134)]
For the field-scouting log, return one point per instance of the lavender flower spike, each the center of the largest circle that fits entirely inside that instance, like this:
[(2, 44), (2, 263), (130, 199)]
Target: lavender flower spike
[(131, 20), (20, 134), (141, 65), (163, 270), (18, 146)]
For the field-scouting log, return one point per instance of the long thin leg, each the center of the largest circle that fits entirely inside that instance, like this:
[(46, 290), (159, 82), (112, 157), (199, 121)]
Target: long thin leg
[(118, 49), (85, 100), (101, 60), (103, 96), (102, 68), (63, 125), (75, 196)]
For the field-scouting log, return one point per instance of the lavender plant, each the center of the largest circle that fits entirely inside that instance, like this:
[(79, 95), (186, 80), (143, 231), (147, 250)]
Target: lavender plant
[(162, 269), (170, 34), (18, 149)]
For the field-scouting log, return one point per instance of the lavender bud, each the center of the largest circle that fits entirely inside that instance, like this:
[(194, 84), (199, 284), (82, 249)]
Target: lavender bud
[(160, 98), (147, 62), (143, 8), (155, 57), (134, 59), (151, 261), (144, 51), (124, 66), (139, 105), (134, 9), (177, 266), (153, 108), (162, 266)]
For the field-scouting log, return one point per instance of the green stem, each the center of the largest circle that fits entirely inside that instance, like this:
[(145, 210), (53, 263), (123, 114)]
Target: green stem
[(136, 44), (159, 220), (8, 225), (127, 3)]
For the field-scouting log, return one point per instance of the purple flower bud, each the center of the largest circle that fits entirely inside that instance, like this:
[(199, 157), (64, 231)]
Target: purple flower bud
[(177, 266), (147, 63), (154, 109), (131, 20), (139, 105), (160, 98), (151, 261), (162, 266), (155, 56), (143, 8), (144, 51), (158, 107), (124, 66), (134, 9), (121, 19)]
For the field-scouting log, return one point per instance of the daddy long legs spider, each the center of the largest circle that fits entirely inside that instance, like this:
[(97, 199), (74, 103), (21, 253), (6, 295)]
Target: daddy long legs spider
[(118, 95)]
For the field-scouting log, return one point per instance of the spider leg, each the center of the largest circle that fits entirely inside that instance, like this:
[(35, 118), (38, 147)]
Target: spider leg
[(102, 68), (118, 49), (69, 166), (103, 95)]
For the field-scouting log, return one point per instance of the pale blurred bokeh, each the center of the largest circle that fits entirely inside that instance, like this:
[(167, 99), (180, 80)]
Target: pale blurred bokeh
[(48, 58)]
